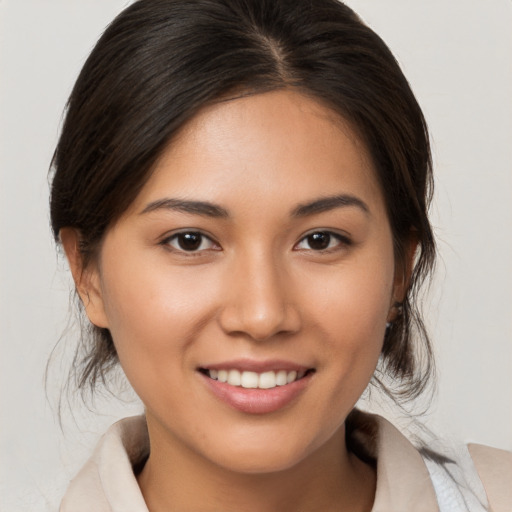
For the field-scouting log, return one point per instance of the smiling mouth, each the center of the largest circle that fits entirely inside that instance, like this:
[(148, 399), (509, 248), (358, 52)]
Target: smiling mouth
[(255, 380)]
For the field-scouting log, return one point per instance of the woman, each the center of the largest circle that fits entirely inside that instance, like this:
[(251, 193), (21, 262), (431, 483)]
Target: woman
[(241, 189)]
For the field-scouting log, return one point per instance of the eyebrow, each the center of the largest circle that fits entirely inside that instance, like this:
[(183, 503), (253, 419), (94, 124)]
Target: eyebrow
[(329, 203), (204, 208), (207, 209)]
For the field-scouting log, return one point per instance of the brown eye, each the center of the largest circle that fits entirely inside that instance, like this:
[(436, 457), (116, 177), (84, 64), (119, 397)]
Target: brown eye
[(319, 241), (189, 241), (322, 240)]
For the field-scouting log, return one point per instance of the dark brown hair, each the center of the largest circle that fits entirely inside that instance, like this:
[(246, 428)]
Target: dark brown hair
[(160, 61)]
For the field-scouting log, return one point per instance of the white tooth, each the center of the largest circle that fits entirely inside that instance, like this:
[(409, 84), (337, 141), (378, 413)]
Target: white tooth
[(249, 380), (234, 377), (301, 374), (291, 376), (222, 376), (214, 374), (281, 378), (267, 380)]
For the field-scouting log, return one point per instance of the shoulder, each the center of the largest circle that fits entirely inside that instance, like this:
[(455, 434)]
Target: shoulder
[(107, 482), (494, 467), (434, 476)]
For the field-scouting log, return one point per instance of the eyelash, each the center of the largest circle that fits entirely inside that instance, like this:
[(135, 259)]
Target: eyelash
[(197, 236), (342, 240), (167, 242)]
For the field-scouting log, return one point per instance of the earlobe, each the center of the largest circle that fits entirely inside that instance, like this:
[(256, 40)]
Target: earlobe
[(87, 279), (402, 281)]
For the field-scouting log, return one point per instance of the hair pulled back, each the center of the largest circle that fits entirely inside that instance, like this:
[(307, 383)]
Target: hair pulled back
[(160, 61)]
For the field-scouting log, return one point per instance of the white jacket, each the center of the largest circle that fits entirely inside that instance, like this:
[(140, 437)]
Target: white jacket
[(406, 480)]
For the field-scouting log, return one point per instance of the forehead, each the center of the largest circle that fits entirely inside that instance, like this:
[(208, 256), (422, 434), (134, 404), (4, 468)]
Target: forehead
[(264, 145)]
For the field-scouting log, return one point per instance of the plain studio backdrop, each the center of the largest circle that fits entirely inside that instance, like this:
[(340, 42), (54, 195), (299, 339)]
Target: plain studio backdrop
[(457, 56)]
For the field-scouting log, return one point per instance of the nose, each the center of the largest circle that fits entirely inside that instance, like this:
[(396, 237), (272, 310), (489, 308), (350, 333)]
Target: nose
[(256, 304)]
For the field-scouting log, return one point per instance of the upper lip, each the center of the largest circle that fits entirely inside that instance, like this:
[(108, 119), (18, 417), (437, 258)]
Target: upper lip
[(251, 365)]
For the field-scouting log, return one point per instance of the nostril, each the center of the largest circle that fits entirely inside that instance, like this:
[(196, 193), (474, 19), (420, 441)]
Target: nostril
[(259, 324)]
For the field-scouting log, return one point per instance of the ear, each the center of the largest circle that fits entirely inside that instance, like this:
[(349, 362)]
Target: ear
[(87, 279), (403, 274)]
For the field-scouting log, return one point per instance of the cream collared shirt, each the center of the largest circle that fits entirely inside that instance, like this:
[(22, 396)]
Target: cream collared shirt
[(406, 482)]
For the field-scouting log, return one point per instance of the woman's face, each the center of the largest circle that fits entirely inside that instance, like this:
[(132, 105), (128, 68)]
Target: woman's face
[(259, 251)]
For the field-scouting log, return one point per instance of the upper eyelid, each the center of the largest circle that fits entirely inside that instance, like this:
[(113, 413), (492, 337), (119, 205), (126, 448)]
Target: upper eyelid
[(343, 238), (340, 234), (166, 242), (171, 234)]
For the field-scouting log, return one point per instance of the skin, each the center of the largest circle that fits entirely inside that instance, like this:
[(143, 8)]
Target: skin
[(255, 289)]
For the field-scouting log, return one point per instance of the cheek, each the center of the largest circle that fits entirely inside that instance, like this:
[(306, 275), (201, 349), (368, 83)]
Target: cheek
[(153, 312), (354, 299), (352, 307)]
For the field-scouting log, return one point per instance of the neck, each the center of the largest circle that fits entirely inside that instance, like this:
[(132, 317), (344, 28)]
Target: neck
[(329, 479)]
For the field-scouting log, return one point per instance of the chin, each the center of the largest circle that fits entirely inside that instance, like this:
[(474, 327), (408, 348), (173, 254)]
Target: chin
[(259, 461), (265, 452)]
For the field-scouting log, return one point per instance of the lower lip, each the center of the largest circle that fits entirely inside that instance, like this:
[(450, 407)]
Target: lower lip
[(257, 401)]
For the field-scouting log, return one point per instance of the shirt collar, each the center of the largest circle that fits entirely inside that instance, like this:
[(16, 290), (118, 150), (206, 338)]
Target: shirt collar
[(107, 482)]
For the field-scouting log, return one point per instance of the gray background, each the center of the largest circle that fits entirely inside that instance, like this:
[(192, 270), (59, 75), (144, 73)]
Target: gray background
[(458, 58)]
